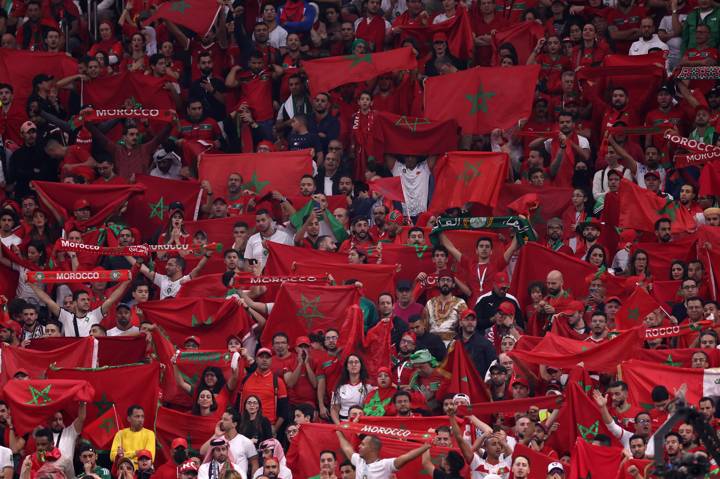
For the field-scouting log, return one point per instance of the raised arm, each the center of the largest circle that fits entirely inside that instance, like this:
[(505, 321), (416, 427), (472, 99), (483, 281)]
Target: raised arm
[(201, 264), (116, 295), (445, 241), (465, 448), (400, 461), (345, 445), (43, 296)]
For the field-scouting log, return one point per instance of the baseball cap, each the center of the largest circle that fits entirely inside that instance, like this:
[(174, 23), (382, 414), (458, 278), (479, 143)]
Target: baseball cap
[(506, 308), (468, 312), (555, 465), (501, 279), (122, 305), (520, 380), (143, 453), (27, 126), (81, 204), (302, 340), (445, 273), (220, 198), (439, 37), (403, 285), (572, 308), (188, 467), (613, 298), (263, 351), (409, 335), (194, 339), (654, 173), (179, 442)]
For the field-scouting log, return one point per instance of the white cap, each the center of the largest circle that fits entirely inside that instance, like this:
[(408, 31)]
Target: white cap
[(555, 465)]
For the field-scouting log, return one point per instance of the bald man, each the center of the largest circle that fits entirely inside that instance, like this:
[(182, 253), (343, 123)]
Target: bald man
[(555, 301)]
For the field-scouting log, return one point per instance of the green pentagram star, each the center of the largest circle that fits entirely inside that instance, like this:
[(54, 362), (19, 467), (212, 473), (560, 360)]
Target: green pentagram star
[(669, 209), (634, 313), (357, 59), (255, 184), (108, 425), (589, 432), (40, 397), (103, 404), (479, 101), (669, 361), (309, 309), (411, 123), (179, 6), (469, 173), (157, 210)]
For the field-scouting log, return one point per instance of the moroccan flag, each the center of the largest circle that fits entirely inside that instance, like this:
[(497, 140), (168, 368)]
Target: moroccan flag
[(302, 308), (195, 15), (641, 208), (149, 211), (407, 135), (102, 430), (324, 74), (662, 255), (523, 36), (457, 29), (376, 278), (141, 387), (601, 461), (635, 308), (415, 424), (113, 91), (111, 350), (19, 67), (539, 462), (464, 378), (642, 376), (389, 188), (262, 172), (413, 259), (676, 357), (710, 179), (204, 286), (643, 465), (579, 418), (77, 353), (213, 320), (511, 406), (171, 424), (338, 230), (482, 99), (34, 401), (282, 257), (219, 230), (560, 352), (105, 200), (464, 176), (552, 202)]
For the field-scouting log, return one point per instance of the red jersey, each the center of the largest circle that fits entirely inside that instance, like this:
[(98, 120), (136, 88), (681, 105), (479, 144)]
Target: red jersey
[(372, 30), (205, 130), (263, 385), (625, 21)]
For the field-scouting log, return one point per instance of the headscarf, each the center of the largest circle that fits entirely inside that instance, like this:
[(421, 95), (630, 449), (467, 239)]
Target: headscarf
[(278, 451)]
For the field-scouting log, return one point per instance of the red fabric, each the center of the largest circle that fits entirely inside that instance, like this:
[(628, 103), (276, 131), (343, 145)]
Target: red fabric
[(552, 203), (105, 200), (218, 230), (195, 15), (213, 320), (641, 208), (523, 36), (641, 464), (102, 430), (376, 278), (413, 136), (642, 376), (205, 286), (121, 350), (710, 179), (635, 309), (19, 67), (149, 211), (458, 30), (171, 424), (464, 377), (372, 29), (482, 99), (539, 462), (388, 188), (109, 388), (661, 255), (277, 171), (325, 74), (113, 91), (599, 460), (376, 348), (482, 176), (34, 401), (282, 257), (76, 353), (362, 140)]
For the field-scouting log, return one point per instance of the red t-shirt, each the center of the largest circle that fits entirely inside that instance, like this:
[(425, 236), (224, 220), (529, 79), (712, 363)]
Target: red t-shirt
[(625, 21), (262, 385), (479, 277)]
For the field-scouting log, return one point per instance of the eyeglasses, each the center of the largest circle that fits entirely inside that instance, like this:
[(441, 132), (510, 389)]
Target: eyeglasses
[(643, 421)]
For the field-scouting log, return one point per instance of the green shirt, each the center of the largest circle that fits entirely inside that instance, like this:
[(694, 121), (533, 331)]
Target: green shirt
[(99, 471)]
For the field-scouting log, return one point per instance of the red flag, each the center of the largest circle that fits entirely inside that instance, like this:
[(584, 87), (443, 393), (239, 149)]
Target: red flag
[(219, 230), (710, 179), (149, 211), (641, 208), (171, 424), (523, 36), (195, 15), (413, 259), (377, 346), (105, 200), (457, 29), (463, 176), (19, 67), (111, 350), (539, 462), (552, 202), (601, 461), (77, 353), (464, 378), (662, 255), (113, 91), (262, 172), (34, 401), (635, 308), (389, 188), (676, 357), (212, 320), (482, 99), (325, 74), (282, 257), (376, 278), (560, 352), (141, 387), (407, 135), (205, 286), (102, 430), (300, 309)]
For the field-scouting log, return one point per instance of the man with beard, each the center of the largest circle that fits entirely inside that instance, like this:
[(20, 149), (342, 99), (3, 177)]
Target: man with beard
[(401, 361), (598, 328), (64, 438), (618, 111), (663, 228), (328, 369), (642, 422), (88, 459), (554, 236), (321, 122), (425, 339), (218, 462), (360, 236), (703, 132), (649, 40), (241, 448), (238, 200), (488, 303), (379, 214), (673, 447), (171, 469), (367, 460), (405, 306), (497, 458), (386, 310), (497, 384), (621, 410), (590, 232), (123, 322), (443, 312), (480, 350), (567, 136), (425, 281), (402, 402), (688, 196), (267, 230), (666, 115)]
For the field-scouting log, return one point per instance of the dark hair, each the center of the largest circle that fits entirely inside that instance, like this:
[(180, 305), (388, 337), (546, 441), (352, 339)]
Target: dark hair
[(682, 265), (44, 432), (219, 385), (661, 221), (328, 451), (401, 394), (280, 335), (593, 248), (618, 384), (77, 294), (248, 426), (637, 436), (196, 407), (306, 410), (484, 238), (345, 375), (440, 248), (631, 264), (132, 409)]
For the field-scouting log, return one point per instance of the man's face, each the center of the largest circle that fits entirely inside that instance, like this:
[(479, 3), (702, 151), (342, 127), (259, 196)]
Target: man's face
[(195, 110), (269, 13), (231, 261), (522, 426), (137, 418), (321, 104), (702, 34), (687, 194), (598, 324), (42, 444), (219, 209), (331, 339), (307, 186), (327, 463), (295, 86), (695, 310), (619, 99), (205, 64), (263, 223), (647, 28), (699, 361), (347, 472), (416, 238), (553, 284), (360, 229), (293, 43), (263, 361), (385, 305), (618, 396), (300, 417), (29, 317), (566, 124), (402, 404), (123, 317), (29, 136), (280, 345), (442, 439), (52, 331), (56, 423), (702, 117), (687, 433), (345, 185), (374, 5), (234, 183), (689, 288), (220, 453), (407, 346), (591, 233), (637, 448), (483, 249), (707, 409), (555, 231), (160, 68), (613, 182), (498, 378), (468, 324), (378, 214), (6, 96), (261, 33), (672, 445), (88, 457)]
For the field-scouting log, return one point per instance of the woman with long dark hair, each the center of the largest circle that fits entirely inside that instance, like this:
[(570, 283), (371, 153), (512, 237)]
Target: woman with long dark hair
[(591, 51), (212, 379), (253, 425), (205, 404), (352, 388), (639, 264)]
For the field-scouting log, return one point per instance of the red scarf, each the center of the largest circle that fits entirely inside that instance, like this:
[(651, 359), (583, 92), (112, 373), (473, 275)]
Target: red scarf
[(362, 135), (564, 175), (78, 276)]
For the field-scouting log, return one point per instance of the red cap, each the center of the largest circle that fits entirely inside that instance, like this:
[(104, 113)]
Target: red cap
[(267, 144), (385, 370), (445, 273), (439, 37), (468, 312), (263, 351), (302, 340), (143, 453), (410, 335), (613, 298), (12, 325), (507, 308), (573, 307), (501, 279), (192, 338), (179, 442), (519, 380), (80, 204)]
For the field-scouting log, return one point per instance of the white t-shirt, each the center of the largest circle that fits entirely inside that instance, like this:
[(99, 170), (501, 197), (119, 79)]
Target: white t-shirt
[(242, 450), (381, 469), (582, 143), (254, 248), (66, 318), (415, 185), (10, 241), (284, 473), (167, 287), (204, 471), (278, 37), (66, 439), (480, 468), (132, 331), (640, 175), (349, 395), (6, 459), (642, 47)]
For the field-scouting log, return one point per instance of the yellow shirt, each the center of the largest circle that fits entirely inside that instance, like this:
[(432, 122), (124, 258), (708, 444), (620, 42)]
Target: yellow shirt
[(132, 442)]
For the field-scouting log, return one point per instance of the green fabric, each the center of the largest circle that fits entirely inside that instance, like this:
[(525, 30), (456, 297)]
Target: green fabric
[(298, 219), (102, 472), (712, 20), (521, 226), (370, 314)]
